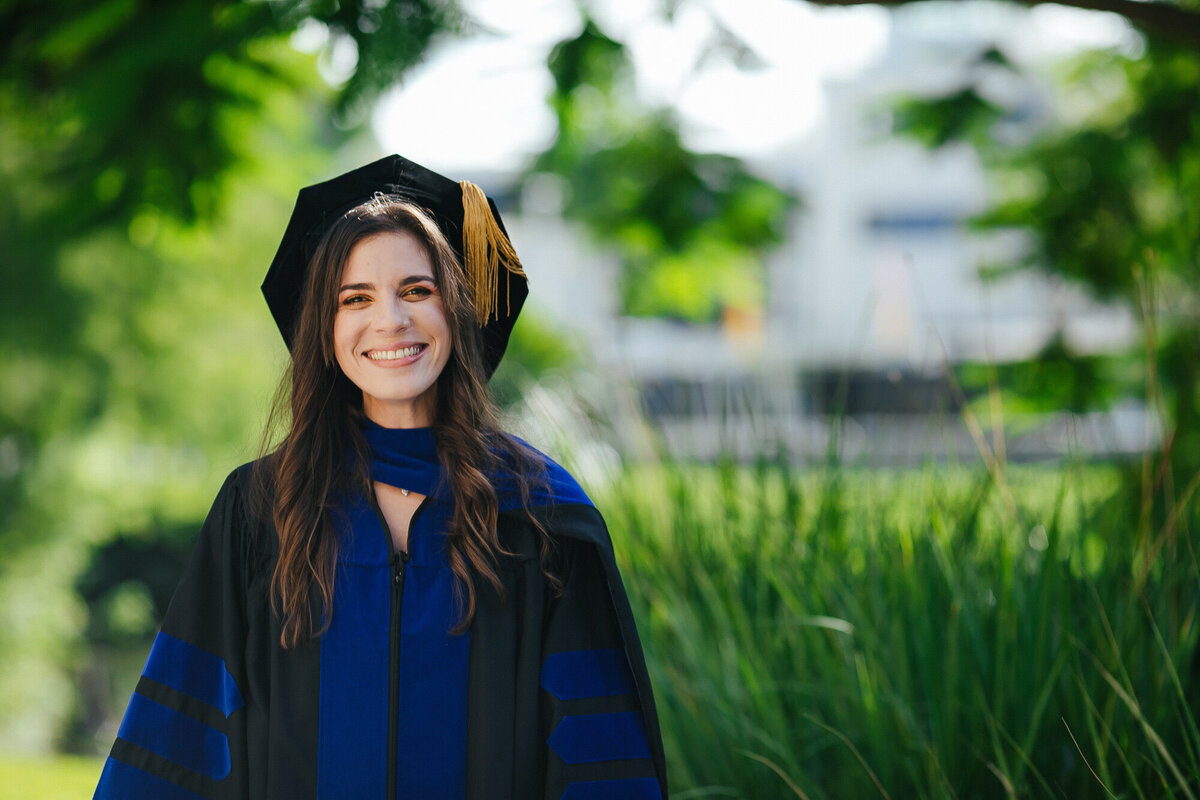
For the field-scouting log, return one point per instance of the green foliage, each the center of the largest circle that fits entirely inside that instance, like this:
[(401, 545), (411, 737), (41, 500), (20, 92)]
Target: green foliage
[(389, 38), (149, 155), (183, 357), (126, 101), (1057, 379), (961, 115), (1109, 192), (912, 635), (689, 227), (122, 102)]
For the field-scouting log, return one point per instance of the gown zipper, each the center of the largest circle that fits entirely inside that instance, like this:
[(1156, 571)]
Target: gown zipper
[(399, 565), (399, 568)]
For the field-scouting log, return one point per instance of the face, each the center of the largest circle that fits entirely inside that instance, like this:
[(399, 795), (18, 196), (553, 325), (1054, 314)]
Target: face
[(390, 333)]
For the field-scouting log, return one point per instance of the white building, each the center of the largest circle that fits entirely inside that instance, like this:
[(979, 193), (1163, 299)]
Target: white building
[(875, 290)]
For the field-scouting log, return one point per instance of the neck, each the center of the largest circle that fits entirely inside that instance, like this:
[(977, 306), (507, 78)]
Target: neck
[(415, 413)]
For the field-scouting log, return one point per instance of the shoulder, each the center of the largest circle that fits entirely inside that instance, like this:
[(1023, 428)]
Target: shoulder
[(550, 484), (240, 478), (240, 511), (238, 488), (558, 502)]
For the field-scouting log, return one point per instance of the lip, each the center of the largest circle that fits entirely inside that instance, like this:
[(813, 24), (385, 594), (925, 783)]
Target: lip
[(396, 362)]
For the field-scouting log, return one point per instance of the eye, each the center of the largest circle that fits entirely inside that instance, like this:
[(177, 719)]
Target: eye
[(354, 300), (417, 292)]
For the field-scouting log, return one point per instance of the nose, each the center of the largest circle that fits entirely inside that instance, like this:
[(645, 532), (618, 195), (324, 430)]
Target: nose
[(392, 314)]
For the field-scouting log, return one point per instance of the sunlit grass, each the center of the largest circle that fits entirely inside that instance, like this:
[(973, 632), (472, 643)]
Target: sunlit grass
[(917, 634), (58, 778)]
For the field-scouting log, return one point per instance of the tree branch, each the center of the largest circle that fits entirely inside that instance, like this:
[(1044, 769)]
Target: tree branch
[(1159, 18)]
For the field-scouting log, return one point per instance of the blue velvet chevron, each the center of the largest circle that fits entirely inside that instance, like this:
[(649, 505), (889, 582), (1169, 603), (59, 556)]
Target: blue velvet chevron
[(585, 738), (194, 672), (176, 737), (619, 789), (589, 738), (577, 674)]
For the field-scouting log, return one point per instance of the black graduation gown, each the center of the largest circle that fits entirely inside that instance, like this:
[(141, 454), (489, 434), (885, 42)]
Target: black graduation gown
[(556, 702)]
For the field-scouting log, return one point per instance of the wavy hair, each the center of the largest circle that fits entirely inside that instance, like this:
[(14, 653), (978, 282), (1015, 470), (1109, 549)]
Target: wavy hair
[(297, 482)]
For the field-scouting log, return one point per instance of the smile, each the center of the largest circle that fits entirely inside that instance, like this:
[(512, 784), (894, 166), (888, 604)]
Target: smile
[(394, 355)]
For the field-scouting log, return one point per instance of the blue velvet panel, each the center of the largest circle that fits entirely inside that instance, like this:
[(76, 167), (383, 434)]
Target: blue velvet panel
[(585, 738), (352, 734), (623, 789), (195, 672), (120, 781), (432, 668), (432, 738), (176, 737), (587, 673)]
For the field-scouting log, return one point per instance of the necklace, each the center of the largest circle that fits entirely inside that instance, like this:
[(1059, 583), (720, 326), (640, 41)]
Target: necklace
[(405, 459)]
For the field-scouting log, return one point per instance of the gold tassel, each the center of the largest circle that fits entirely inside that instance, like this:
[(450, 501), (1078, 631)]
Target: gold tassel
[(485, 249)]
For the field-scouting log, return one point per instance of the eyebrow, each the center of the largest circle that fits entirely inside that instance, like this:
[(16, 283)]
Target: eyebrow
[(411, 279)]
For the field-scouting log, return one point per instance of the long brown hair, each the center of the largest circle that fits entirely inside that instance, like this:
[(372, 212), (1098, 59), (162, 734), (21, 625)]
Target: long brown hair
[(297, 482)]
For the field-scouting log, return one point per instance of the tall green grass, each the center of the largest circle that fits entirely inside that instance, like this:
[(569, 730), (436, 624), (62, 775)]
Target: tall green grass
[(924, 634)]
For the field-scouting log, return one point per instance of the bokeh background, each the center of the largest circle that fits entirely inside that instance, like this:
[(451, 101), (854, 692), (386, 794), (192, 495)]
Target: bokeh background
[(874, 329)]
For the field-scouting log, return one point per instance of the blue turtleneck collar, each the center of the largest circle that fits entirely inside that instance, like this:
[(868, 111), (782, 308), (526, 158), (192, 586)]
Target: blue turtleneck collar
[(405, 458)]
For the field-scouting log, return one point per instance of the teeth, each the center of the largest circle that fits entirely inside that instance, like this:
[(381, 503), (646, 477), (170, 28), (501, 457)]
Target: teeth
[(392, 355)]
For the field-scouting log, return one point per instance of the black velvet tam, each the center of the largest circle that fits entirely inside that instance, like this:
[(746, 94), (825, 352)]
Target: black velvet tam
[(320, 205)]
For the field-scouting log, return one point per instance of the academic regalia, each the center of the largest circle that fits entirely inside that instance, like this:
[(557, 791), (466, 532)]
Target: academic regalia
[(542, 697)]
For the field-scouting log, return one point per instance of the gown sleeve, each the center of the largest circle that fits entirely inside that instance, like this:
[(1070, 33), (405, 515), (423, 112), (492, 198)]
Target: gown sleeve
[(602, 736), (183, 733)]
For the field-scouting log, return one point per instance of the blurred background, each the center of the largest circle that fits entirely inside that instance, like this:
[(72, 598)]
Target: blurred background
[(873, 329)]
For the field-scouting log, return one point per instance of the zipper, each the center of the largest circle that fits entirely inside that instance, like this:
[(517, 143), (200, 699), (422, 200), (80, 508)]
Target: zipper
[(399, 568), (399, 565)]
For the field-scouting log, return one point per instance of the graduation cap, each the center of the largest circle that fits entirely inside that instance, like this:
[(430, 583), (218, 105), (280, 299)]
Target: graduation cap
[(468, 219)]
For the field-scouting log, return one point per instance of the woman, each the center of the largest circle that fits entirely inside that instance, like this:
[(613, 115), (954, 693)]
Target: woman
[(400, 600)]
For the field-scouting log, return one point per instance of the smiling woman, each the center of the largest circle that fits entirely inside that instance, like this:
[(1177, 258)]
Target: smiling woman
[(400, 599), (390, 334)]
